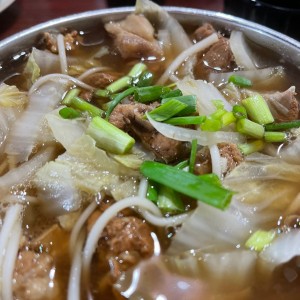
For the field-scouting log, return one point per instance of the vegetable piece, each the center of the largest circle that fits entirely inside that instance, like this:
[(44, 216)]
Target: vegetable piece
[(109, 137), (101, 93), (211, 124), (282, 126), (194, 120), (67, 100), (189, 100), (169, 201), (183, 164), (187, 184), (258, 110), (150, 93), (85, 106), (69, 113), (118, 99), (152, 191), (251, 147), (11, 96), (240, 81), (167, 110), (239, 112), (275, 137), (228, 118), (173, 93), (193, 156), (137, 70), (145, 79), (211, 178), (260, 239), (250, 128), (119, 84)]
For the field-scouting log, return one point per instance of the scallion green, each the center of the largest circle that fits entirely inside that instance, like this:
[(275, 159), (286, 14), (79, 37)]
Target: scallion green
[(193, 156), (275, 137), (250, 128), (260, 239), (240, 81), (193, 120), (69, 113), (187, 184), (251, 147), (282, 126)]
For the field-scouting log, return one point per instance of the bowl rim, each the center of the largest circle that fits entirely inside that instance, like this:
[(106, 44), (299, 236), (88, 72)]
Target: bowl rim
[(234, 20)]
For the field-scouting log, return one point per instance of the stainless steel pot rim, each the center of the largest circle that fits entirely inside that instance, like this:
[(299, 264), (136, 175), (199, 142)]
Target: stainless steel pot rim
[(233, 20)]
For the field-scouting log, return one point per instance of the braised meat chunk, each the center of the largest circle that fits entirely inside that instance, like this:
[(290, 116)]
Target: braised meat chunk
[(203, 31), (218, 58), (283, 105), (49, 40), (32, 277), (129, 117), (134, 37)]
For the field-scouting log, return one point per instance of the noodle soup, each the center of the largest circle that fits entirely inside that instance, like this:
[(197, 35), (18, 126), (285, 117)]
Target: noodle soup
[(144, 155)]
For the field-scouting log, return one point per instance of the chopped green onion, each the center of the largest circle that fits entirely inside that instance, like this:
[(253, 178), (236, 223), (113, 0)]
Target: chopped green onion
[(211, 178), (240, 81), (167, 110), (85, 106), (193, 156), (69, 113), (152, 191), (211, 124), (275, 137), (183, 164), (258, 110), (193, 120), (119, 84), (251, 147), (260, 239), (239, 112), (101, 93), (109, 137), (118, 99), (250, 128), (218, 104), (228, 118), (169, 201), (70, 95), (173, 93), (189, 100), (145, 79), (282, 126), (137, 70), (150, 93), (187, 184)]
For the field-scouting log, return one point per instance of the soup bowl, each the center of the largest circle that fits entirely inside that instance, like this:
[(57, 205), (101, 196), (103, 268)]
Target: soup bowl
[(261, 249)]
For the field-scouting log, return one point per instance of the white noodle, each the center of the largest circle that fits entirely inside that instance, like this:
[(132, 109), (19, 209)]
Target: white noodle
[(92, 71), (200, 46), (60, 78), (22, 199), (75, 272), (7, 231), (78, 226), (62, 54), (108, 214), (10, 259), (215, 160)]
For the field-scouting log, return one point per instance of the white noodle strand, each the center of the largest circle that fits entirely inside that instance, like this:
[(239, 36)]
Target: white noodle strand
[(78, 226), (200, 46), (62, 54), (75, 272), (59, 77), (92, 71), (10, 259), (215, 160)]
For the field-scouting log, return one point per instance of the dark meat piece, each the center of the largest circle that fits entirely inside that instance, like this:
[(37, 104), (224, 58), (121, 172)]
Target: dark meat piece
[(229, 151), (283, 105), (203, 162), (49, 40), (218, 58), (134, 37), (203, 31), (32, 276), (128, 117), (232, 154), (101, 80)]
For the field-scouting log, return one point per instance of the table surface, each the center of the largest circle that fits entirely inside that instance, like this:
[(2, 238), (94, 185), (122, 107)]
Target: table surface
[(23, 14)]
